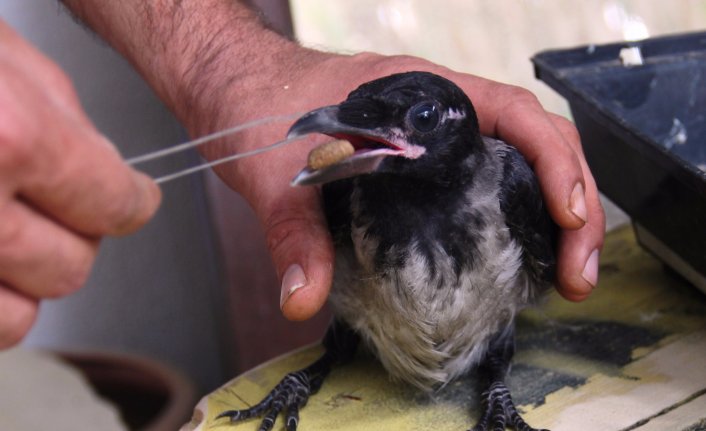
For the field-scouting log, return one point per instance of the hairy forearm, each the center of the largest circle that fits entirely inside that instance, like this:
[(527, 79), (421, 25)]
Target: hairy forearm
[(189, 50)]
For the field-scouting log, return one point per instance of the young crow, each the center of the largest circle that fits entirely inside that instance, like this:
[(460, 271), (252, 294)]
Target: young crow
[(441, 239)]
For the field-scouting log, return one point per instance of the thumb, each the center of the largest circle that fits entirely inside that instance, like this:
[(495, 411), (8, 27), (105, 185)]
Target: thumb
[(302, 251)]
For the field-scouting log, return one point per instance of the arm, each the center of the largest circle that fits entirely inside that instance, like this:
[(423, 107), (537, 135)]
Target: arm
[(215, 65)]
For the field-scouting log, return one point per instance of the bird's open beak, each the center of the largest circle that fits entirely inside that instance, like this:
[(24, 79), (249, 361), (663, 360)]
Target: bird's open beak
[(371, 146)]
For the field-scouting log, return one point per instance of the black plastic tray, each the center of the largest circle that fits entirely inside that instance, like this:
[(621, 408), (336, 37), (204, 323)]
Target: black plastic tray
[(643, 129)]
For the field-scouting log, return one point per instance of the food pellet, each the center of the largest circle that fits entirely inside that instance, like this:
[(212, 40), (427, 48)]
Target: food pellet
[(329, 153)]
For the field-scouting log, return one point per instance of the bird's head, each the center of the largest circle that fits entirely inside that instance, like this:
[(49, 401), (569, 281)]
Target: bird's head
[(414, 124)]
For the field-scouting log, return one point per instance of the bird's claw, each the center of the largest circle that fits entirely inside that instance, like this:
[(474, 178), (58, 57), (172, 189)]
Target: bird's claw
[(499, 411), (290, 394)]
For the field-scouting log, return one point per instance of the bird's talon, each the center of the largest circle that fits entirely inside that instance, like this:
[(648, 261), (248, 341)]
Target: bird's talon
[(499, 411), (290, 394)]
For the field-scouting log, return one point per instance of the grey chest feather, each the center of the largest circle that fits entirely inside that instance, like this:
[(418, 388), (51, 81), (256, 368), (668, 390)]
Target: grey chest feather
[(427, 320)]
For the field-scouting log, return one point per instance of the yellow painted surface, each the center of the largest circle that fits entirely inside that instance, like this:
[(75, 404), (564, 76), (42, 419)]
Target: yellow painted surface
[(644, 388), (634, 352), (691, 412)]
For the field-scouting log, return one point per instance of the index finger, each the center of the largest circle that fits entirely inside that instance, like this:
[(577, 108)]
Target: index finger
[(516, 116), (52, 157), (75, 176)]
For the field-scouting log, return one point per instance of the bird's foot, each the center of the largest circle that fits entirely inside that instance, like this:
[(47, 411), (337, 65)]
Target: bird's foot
[(294, 390), (290, 394), (499, 411)]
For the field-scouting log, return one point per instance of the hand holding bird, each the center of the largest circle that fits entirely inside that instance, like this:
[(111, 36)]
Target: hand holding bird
[(441, 238)]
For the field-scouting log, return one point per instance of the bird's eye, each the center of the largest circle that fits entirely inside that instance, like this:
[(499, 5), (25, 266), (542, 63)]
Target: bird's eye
[(424, 117)]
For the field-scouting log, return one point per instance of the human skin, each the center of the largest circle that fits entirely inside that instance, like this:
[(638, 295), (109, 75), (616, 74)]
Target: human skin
[(62, 187), (215, 65)]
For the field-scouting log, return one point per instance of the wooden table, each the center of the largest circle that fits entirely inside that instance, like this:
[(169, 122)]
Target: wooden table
[(632, 357)]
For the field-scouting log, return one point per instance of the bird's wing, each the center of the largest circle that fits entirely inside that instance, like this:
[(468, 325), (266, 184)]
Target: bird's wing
[(525, 213)]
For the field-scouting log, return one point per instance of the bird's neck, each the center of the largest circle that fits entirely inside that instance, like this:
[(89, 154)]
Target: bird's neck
[(430, 187), (398, 206), (399, 215), (419, 192)]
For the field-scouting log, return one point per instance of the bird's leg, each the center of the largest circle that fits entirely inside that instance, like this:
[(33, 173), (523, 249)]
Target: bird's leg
[(293, 391), (498, 409)]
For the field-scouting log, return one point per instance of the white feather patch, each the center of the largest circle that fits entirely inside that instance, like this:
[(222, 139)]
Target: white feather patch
[(454, 114)]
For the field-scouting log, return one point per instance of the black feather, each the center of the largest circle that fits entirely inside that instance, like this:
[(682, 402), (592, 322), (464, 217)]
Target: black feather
[(526, 216)]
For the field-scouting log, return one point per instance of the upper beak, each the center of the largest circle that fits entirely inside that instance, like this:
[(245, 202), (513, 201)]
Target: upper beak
[(371, 146), (323, 120)]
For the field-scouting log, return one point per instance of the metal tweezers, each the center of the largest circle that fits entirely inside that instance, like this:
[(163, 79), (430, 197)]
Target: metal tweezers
[(213, 136)]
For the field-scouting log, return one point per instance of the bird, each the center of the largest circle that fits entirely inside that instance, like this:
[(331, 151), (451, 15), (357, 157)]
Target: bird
[(441, 239)]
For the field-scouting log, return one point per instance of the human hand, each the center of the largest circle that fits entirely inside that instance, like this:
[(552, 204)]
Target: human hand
[(62, 187), (292, 218)]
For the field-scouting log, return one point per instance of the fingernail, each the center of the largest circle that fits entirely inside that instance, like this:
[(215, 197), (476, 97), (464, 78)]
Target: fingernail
[(141, 206), (293, 280), (578, 203), (590, 270), (150, 194)]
